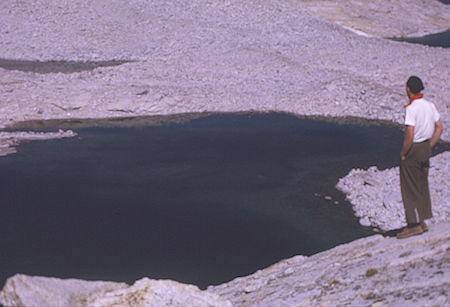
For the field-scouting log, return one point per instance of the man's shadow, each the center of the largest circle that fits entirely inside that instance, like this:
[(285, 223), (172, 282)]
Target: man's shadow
[(392, 233)]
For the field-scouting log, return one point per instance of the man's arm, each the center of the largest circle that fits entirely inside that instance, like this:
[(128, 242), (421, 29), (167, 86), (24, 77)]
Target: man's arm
[(407, 142), (437, 133)]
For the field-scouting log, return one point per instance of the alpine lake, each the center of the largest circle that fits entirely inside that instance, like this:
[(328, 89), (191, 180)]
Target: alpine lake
[(199, 198)]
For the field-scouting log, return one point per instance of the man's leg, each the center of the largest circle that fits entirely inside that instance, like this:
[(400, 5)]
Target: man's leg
[(410, 195), (424, 202), (411, 177)]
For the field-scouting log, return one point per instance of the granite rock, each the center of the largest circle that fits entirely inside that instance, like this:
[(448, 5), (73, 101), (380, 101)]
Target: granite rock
[(373, 271), (376, 199), (23, 290)]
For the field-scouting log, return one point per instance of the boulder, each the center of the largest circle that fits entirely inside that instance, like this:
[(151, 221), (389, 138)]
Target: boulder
[(23, 290)]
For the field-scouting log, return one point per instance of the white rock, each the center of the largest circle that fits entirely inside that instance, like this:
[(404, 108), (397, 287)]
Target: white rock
[(8, 140), (158, 293), (364, 221), (380, 204), (22, 290)]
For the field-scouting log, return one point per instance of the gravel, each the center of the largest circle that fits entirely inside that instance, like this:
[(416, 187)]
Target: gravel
[(196, 56)]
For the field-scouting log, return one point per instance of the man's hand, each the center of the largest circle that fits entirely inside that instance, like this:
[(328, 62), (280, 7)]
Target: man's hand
[(407, 142), (437, 133)]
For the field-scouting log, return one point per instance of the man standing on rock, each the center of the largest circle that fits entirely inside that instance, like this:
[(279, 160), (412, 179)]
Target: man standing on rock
[(423, 129)]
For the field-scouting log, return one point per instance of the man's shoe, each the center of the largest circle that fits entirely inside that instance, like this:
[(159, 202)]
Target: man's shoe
[(424, 226), (410, 231)]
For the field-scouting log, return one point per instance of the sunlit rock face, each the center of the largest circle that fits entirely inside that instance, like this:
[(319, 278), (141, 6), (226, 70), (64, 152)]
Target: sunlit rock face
[(22, 290)]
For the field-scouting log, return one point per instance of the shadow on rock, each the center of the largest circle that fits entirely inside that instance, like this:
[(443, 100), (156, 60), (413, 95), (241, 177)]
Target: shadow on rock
[(392, 233), (55, 66)]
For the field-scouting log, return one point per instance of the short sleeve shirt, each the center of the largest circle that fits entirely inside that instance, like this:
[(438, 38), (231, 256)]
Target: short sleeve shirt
[(423, 115)]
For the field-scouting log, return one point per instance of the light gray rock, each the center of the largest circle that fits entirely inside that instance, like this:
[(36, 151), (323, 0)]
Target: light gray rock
[(376, 199), (8, 140), (373, 271), (22, 290), (158, 293)]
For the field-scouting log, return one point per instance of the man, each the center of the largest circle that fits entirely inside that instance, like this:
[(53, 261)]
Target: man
[(423, 129)]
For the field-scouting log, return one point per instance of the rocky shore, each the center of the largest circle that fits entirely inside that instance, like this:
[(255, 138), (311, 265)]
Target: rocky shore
[(92, 59), (9, 140), (374, 271), (376, 199)]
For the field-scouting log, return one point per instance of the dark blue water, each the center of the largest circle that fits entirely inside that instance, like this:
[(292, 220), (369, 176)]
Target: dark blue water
[(199, 202)]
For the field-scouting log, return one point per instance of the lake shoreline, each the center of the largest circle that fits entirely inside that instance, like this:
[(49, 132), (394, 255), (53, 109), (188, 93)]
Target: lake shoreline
[(16, 132)]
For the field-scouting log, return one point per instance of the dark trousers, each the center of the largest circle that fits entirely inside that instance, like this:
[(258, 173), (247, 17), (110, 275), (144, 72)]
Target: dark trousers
[(414, 183)]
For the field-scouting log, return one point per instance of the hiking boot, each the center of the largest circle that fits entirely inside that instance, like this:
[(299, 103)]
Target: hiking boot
[(410, 231), (424, 226)]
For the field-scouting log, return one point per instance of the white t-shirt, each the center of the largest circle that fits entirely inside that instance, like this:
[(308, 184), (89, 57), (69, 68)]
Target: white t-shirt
[(423, 115)]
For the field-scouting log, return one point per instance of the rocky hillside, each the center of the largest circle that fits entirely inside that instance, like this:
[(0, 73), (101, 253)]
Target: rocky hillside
[(90, 59), (388, 18)]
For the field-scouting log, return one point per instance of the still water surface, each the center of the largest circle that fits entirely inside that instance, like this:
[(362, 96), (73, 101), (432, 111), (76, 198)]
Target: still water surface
[(201, 202)]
